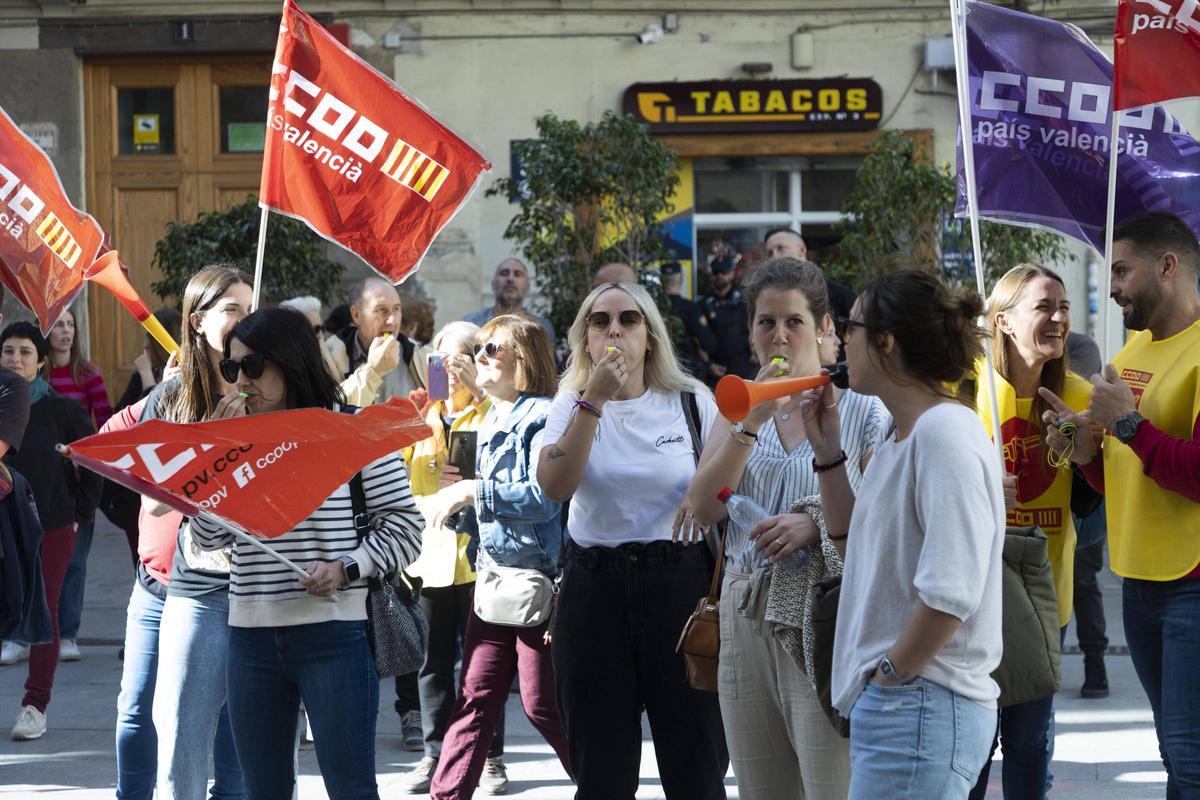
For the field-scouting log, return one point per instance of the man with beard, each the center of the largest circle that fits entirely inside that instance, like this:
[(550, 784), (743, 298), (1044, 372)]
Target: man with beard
[(510, 284), (1148, 403)]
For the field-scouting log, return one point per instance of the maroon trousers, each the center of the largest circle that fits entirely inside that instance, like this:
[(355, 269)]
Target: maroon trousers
[(57, 545), (492, 655)]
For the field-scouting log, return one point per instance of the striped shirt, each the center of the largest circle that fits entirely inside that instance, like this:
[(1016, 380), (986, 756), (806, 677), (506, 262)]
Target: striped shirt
[(775, 478), (264, 593), (93, 394)]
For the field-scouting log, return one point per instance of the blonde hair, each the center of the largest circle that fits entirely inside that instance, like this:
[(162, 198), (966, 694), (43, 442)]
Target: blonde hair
[(460, 334), (661, 369), (1005, 294)]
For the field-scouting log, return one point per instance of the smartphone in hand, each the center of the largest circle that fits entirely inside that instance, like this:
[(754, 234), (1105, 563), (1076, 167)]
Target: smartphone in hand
[(439, 382), (462, 452)]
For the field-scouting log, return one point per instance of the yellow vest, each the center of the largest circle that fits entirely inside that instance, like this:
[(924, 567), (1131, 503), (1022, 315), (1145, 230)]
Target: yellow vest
[(424, 460), (1043, 492), (1154, 533)]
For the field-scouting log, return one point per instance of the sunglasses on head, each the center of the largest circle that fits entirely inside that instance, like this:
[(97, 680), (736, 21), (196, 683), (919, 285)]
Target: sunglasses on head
[(251, 364), (490, 349), (601, 320)]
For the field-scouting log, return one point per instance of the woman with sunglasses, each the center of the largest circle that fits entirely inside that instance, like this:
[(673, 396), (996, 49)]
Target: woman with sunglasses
[(171, 713), (447, 563), (288, 641), (519, 527), (778, 734), (619, 447), (918, 626)]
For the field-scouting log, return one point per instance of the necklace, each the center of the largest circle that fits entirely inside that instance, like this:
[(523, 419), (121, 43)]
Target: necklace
[(785, 416)]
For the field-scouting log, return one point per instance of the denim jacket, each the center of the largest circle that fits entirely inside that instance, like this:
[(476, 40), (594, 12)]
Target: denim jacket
[(518, 525)]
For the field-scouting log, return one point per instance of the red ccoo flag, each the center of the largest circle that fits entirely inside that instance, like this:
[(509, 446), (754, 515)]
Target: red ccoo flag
[(347, 152), (45, 242), (1156, 52)]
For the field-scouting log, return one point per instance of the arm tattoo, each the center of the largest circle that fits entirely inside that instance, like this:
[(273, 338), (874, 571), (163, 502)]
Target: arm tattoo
[(555, 453)]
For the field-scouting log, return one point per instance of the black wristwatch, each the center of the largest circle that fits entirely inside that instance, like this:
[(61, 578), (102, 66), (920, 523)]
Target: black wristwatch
[(351, 568), (1126, 427)]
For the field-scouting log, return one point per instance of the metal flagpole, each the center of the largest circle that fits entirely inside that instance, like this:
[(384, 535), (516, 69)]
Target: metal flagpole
[(258, 256), (958, 22), (1105, 283)]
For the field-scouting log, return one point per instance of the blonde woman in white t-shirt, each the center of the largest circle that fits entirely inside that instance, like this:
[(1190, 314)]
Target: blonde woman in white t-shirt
[(620, 449)]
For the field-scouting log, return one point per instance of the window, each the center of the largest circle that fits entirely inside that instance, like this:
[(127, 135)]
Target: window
[(739, 199)]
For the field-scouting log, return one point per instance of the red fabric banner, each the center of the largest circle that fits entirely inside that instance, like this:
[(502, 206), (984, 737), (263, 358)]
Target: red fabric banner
[(264, 473), (1156, 52), (45, 242), (361, 163)]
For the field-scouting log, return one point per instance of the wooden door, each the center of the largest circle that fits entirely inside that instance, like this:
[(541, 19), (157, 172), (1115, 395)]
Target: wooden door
[(166, 139)]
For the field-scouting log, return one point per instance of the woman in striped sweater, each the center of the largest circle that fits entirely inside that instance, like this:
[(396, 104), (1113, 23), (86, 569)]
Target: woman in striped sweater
[(288, 640)]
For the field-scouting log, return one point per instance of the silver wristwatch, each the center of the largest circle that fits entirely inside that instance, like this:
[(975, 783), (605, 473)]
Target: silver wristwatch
[(738, 427), (889, 672)]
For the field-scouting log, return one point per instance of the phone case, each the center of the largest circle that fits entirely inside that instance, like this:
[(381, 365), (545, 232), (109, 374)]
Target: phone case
[(439, 383)]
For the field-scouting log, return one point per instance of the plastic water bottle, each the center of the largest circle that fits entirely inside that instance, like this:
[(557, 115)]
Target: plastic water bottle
[(745, 514)]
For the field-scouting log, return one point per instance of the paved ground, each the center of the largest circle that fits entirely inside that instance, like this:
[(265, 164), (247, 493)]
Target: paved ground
[(1104, 748)]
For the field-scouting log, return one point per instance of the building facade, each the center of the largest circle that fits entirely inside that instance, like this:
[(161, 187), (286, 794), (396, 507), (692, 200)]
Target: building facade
[(153, 111)]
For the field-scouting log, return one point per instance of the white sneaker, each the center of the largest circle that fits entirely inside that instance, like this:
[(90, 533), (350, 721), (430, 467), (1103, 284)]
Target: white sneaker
[(494, 779), (12, 652), (31, 724), (68, 650), (418, 780)]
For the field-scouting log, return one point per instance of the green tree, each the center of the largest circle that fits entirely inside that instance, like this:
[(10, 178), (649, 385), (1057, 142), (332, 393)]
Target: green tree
[(901, 214), (591, 194), (295, 256)]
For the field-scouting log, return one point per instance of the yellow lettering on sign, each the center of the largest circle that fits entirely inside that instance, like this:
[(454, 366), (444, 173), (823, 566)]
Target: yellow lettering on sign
[(829, 100), (723, 104), (653, 106), (701, 101), (856, 99), (775, 101), (748, 101), (802, 100)]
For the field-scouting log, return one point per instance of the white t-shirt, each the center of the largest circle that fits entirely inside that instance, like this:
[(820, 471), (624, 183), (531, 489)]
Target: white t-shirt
[(639, 469), (928, 526)]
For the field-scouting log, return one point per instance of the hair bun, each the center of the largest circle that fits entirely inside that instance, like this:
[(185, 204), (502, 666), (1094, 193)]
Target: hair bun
[(970, 304)]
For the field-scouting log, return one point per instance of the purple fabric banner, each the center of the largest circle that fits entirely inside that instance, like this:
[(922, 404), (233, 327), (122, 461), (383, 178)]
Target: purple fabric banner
[(1040, 106)]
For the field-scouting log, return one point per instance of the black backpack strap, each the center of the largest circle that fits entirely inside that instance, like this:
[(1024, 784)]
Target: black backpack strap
[(358, 495), (691, 413)]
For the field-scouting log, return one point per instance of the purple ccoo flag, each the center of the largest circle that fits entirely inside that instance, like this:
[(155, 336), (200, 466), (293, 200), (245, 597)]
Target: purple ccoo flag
[(1040, 105)]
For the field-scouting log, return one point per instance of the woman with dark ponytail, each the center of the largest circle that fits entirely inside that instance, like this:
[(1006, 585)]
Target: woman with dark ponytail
[(922, 546)]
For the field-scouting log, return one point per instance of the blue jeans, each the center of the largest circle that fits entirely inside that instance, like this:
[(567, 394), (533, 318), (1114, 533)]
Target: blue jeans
[(189, 701), (70, 600), (137, 743), (1024, 735), (1162, 628), (329, 666), (917, 741)]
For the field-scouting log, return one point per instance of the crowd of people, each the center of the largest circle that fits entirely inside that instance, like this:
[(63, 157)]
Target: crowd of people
[(595, 486)]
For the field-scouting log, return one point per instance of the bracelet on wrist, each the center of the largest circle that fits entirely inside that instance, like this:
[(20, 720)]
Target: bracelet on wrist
[(831, 465), (584, 405)]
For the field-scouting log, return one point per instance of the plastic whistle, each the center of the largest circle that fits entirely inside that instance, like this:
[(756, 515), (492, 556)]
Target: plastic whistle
[(779, 360)]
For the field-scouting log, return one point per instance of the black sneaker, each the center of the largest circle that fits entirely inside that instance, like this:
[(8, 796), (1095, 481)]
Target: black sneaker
[(1095, 679), (414, 737)]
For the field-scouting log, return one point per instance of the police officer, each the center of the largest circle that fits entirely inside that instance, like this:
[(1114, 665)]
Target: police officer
[(697, 340), (727, 318)]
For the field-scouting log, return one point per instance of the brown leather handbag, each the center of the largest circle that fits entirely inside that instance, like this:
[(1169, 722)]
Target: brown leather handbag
[(700, 639)]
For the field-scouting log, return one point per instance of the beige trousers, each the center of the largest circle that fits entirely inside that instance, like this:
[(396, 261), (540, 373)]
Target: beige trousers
[(780, 742)]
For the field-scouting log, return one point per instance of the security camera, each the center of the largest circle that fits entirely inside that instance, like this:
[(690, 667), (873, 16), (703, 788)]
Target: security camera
[(650, 34)]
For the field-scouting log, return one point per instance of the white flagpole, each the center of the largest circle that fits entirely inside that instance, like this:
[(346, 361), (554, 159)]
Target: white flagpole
[(258, 543), (958, 21), (1105, 283), (258, 256)]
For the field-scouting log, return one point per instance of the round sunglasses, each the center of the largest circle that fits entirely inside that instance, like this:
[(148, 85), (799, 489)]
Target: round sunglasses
[(489, 349), (252, 364), (601, 320)]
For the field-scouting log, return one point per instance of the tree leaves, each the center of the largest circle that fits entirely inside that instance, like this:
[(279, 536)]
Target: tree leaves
[(295, 256)]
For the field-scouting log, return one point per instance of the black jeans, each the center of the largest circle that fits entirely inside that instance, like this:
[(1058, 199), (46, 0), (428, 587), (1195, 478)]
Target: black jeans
[(1089, 602), (619, 615), (433, 689)]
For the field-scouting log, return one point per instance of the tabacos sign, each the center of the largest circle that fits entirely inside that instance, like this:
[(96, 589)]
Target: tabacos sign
[(832, 104)]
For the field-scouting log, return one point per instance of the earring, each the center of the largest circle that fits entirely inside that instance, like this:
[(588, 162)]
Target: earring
[(820, 340)]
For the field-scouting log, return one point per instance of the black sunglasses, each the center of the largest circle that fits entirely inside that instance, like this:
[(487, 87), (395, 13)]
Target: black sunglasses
[(601, 320), (251, 364), (491, 349), (843, 324)]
